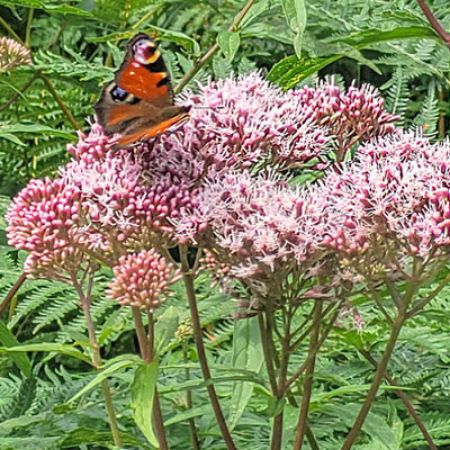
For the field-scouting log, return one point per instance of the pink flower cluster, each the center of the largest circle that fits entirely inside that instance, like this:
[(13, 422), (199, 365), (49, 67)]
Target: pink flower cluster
[(122, 203), (351, 117), (42, 220), (108, 203), (259, 222), (105, 202), (391, 204), (12, 54), (243, 122), (398, 191), (142, 280)]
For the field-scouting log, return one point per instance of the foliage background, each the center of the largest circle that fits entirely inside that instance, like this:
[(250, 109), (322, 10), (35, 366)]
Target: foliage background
[(75, 47)]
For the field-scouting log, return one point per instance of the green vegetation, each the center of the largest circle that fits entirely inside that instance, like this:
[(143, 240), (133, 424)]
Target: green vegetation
[(53, 379)]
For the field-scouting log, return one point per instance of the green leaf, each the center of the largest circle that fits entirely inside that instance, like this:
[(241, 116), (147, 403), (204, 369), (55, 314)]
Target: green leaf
[(246, 355), (20, 359), (142, 395), (165, 328), (292, 70), (6, 131), (46, 6), (295, 13), (64, 349), (190, 44), (200, 384), (185, 415), (104, 374), (229, 42), (95, 439), (362, 39), (12, 138), (256, 10)]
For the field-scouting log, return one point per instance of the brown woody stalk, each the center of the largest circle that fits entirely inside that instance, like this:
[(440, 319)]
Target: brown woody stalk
[(85, 299), (145, 341), (188, 279), (12, 292), (437, 27), (213, 50), (405, 399), (308, 382)]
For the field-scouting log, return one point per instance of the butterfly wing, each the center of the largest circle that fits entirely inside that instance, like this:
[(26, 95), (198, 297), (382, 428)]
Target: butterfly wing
[(139, 103), (144, 73)]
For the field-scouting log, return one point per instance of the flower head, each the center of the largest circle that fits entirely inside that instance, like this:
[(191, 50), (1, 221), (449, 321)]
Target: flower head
[(259, 223), (141, 280), (240, 122), (92, 147), (43, 220), (12, 54), (125, 199), (352, 116), (397, 192)]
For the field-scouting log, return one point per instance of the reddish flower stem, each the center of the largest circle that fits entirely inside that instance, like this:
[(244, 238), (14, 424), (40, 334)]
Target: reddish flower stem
[(145, 341), (213, 50), (379, 375), (437, 27), (308, 382), (12, 292), (85, 299), (188, 279), (406, 401), (194, 433)]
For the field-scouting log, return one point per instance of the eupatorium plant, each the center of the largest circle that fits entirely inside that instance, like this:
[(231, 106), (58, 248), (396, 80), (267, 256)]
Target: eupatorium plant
[(222, 183)]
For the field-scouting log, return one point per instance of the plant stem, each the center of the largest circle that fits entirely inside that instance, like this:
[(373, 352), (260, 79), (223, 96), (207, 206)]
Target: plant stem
[(212, 51), (146, 350), (58, 100), (405, 399), (268, 358), (18, 94), (435, 24), (157, 413), (194, 434), (285, 353), (28, 29), (322, 339), (43, 77), (265, 325), (12, 292), (379, 374), (8, 28), (85, 299), (308, 382), (140, 331), (188, 279), (422, 303)]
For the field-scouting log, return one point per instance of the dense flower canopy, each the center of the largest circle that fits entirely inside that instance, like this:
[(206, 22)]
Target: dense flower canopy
[(222, 182)]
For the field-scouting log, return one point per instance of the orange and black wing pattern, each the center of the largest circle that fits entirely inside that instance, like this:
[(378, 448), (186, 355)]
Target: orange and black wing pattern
[(138, 104)]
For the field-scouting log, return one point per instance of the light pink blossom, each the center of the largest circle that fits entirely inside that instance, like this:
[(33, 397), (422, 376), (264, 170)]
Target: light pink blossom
[(142, 280)]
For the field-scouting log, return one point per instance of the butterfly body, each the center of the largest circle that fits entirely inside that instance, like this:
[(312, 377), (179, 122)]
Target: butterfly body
[(139, 103)]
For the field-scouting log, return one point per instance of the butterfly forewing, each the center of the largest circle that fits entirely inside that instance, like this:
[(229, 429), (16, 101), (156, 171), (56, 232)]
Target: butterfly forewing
[(139, 103)]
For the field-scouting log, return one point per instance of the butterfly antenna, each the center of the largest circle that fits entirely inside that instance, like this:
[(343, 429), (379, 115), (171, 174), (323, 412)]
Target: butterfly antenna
[(208, 107)]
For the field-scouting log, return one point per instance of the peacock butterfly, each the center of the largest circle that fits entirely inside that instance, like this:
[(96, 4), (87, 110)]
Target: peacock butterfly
[(139, 103)]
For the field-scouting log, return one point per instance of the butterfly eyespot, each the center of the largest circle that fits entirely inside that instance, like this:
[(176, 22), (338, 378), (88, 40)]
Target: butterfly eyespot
[(143, 43), (118, 94)]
